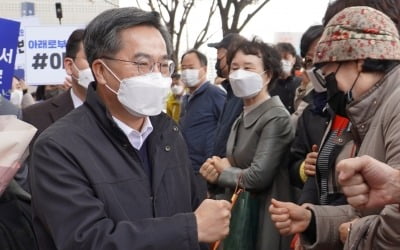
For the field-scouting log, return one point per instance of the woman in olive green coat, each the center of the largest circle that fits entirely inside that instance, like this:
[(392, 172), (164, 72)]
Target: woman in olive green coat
[(259, 138)]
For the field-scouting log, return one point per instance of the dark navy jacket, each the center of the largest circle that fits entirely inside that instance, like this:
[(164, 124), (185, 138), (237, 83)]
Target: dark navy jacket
[(90, 191), (232, 109), (202, 110)]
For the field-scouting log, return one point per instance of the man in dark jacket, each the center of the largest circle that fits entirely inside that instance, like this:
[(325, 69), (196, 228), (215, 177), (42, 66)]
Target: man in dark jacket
[(115, 173), (286, 86), (43, 114), (202, 107), (233, 105)]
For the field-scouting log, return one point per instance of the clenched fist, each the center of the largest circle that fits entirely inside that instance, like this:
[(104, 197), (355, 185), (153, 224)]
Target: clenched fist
[(213, 218)]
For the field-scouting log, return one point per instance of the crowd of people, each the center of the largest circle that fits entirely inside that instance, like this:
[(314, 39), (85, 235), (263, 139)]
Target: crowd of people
[(141, 152)]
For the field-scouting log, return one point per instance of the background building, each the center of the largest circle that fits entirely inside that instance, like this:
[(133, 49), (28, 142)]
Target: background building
[(74, 12)]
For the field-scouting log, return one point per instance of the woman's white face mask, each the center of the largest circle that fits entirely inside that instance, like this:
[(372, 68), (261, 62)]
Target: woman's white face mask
[(246, 84)]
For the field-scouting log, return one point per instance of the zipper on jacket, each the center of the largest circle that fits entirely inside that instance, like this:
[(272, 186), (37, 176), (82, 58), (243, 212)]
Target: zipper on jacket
[(153, 203)]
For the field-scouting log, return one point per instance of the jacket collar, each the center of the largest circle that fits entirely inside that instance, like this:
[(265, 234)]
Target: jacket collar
[(155, 140), (362, 111), (254, 114), (98, 108), (96, 105), (62, 105), (201, 89)]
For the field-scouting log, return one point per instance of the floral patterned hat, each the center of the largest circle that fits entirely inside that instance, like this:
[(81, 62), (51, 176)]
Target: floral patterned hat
[(358, 33)]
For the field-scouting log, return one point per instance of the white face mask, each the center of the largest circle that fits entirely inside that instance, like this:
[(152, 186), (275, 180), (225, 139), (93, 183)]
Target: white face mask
[(177, 89), (16, 97), (85, 77), (190, 77), (314, 80), (142, 95), (286, 66), (246, 84)]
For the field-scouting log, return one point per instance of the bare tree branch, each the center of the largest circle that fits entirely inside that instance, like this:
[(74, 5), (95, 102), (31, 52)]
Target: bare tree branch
[(161, 3), (175, 14), (239, 6), (187, 7), (111, 3), (251, 15), (201, 37), (224, 13), (158, 9), (232, 24)]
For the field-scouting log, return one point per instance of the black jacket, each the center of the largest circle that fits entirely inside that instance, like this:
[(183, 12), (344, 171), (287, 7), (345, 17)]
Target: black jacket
[(90, 190), (310, 130), (232, 108), (43, 114), (286, 90)]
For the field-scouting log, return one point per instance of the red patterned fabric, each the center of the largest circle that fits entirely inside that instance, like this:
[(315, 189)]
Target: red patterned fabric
[(358, 33)]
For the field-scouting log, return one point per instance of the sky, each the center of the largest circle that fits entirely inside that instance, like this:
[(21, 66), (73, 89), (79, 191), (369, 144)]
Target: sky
[(276, 16), (289, 17)]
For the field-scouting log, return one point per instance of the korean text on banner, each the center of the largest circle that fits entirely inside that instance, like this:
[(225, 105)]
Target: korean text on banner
[(8, 49), (45, 53)]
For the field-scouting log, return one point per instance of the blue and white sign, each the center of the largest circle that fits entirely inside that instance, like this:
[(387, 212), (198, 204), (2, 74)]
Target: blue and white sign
[(45, 53), (26, 21), (8, 49)]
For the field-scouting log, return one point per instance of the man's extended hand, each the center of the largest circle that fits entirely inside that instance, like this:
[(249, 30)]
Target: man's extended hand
[(369, 183), (289, 218), (213, 220)]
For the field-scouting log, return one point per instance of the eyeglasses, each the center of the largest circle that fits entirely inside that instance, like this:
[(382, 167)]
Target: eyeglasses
[(145, 65), (320, 77), (307, 62)]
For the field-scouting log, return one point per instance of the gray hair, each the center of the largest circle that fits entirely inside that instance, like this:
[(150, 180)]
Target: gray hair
[(102, 38)]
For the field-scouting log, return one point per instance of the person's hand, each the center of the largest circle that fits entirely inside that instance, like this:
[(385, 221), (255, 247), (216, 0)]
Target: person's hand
[(288, 217), (209, 172), (344, 230), (311, 161), (221, 163), (67, 83), (368, 183), (23, 85), (212, 218)]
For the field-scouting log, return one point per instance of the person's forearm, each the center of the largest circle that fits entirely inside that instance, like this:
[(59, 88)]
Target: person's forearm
[(395, 185), (327, 222)]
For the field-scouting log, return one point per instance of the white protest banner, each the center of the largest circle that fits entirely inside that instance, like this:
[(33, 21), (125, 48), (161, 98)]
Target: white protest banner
[(45, 52), (20, 59)]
